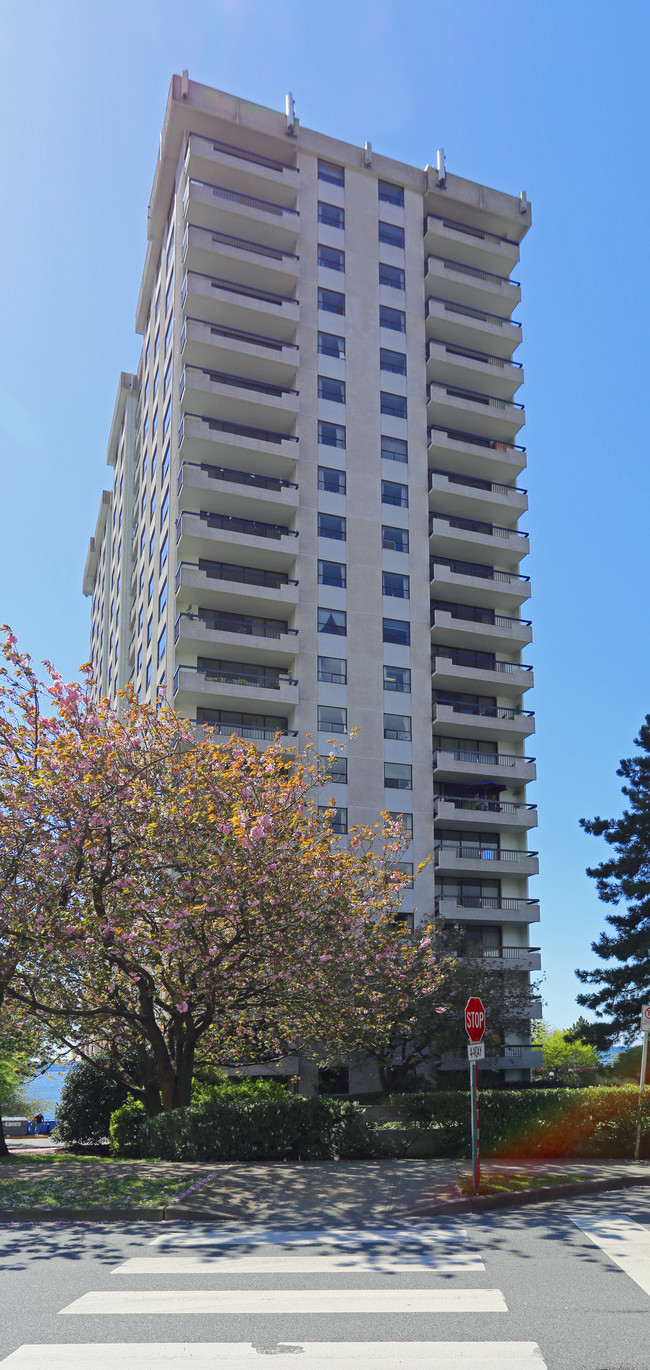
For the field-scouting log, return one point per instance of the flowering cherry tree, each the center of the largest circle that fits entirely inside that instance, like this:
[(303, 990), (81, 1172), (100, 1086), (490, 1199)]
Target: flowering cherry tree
[(179, 896)]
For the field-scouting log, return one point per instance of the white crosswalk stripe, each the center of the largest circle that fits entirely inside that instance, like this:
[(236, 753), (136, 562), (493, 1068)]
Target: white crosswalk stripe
[(334, 1355), (303, 1301), (334, 1236), (366, 1262), (624, 1241)]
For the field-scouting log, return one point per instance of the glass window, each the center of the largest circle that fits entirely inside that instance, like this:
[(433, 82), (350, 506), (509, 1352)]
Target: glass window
[(332, 621), (336, 819), (149, 630), (331, 434), (164, 508), (168, 335), (397, 727), (406, 820), (162, 600), (145, 425), (332, 718), (395, 586), (167, 419), (333, 670), (394, 405), (332, 301), (141, 580), (148, 677), (335, 768), (406, 868), (397, 776), (392, 318), (331, 345), (392, 195), (154, 461), (395, 449), (332, 573), (392, 492), (164, 547), (170, 292), (332, 215), (161, 645), (394, 276), (331, 526), (165, 462), (331, 257), (139, 662), (397, 631), (331, 389), (152, 508), (156, 374), (140, 619), (154, 423), (331, 480), (329, 171), (152, 543), (146, 390), (394, 539), (168, 375), (391, 234), (392, 361)]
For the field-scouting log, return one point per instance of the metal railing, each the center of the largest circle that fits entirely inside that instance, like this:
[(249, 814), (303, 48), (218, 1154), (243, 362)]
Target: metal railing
[(468, 568), (234, 477), (481, 758), (242, 335), (242, 244), (243, 730), (229, 523), (238, 288), (451, 307), (465, 613), (238, 575), (251, 201), (472, 852), (248, 627), (492, 530), (456, 435), (470, 230), (501, 712), (225, 677), (487, 357), (240, 430), (507, 953), (241, 382), (474, 482), (243, 154), (482, 805), (490, 901), (464, 270), (457, 658), (475, 396)]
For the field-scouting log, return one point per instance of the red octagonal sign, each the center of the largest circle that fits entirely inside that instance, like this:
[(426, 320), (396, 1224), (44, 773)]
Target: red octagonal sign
[(475, 1020)]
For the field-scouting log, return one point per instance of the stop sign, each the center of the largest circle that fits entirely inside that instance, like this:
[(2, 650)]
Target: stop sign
[(475, 1019)]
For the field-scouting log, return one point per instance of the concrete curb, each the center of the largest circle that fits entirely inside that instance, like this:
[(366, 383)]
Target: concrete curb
[(80, 1215), (521, 1197)]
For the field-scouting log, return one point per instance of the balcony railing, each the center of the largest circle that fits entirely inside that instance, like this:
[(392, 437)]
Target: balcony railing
[(451, 307), (228, 473), (475, 396), (471, 568), (243, 154), (251, 201), (239, 335), (490, 901), (241, 382), (248, 627), (471, 355), (228, 523), (507, 953), (473, 852), (466, 613), (480, 758), (238, 575), (238, 288), (244, 244), (493, 444), (464, 270), (240, 430), (499, 711), (244, 730), (491, 530), (483, 805), (474, 662), (225, 677), (470, 231), (475, 483)]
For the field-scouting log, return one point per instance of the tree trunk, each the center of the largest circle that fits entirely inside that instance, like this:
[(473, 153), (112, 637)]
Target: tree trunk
[(4, 1149)]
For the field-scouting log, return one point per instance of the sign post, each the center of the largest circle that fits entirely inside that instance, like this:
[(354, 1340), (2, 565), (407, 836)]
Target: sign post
[(475, 1025), (645, 1029)]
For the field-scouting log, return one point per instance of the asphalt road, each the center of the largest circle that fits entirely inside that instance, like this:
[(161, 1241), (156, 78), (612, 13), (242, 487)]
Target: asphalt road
[(563, 1285)]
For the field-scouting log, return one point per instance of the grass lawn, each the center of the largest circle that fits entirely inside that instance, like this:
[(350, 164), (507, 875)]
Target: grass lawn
[(65, 1181), (512, 1182)]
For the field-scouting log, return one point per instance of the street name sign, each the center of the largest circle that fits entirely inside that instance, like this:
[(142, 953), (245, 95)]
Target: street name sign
[(475, 1019), (476, 1051)]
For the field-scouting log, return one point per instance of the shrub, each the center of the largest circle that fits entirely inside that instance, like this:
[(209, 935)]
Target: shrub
[(127, 1130), (88, 1100)]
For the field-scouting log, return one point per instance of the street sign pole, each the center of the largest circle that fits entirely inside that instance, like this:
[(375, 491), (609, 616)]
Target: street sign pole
[(476, 1162), (475, 1025), (645, 1029)]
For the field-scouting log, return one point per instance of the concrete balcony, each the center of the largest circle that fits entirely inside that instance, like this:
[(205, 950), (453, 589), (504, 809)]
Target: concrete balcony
[(263, 737), (468, 765), (451, 406), (246, 639), (472, 245), (239, 399), (480, 585), (235, 588), (447, 321), (214, 205), (493, 722), (247, 494), (212, 253), (492, 910), (270, 545), (223, 689), (515, 958), (259, 356), (472, 858), (479, 629), (474, 455), (448, 279), (468, 497), (503, 678), (473, 539), (237, 305), (471, 369), (221, 442), (242, 168), (504, 815)]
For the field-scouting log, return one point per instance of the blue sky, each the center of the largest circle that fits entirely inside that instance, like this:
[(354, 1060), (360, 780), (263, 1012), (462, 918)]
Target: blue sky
[(550, 98)]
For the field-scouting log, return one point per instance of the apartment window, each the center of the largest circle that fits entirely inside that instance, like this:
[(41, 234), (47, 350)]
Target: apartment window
[(144, 466), (397, 679), (336, 819), (152, 543), (406, 820), (332, 621), (331, 389), (145, 426), (333, 670), (165, 462), (330, 172), (162, 600), (168, 375), (146, 392), (394, 539), (332, 573), (335, 768), (394, 276), (331, 257), (161, 645), (156, 343), (392, 195), (392, 318), (331, 345), (143, 538), (147, 351), (150, 589), (331, 526), (164, 508), (394, 405), (331, 480), (397, 727), (397, 631), (332, 215), (148, 676), (406, 868), (164, 547), (170, 292), (395, 362), (139, 661), (392, 492), (395, 449), (395, 586), (397, 776), (140, 619), (156, 312), (154, 463), (331, 434), (149, 630), (332, 301), (391, 234), (152, 507), (332, 718), (167, 419), (168, 335), (156, 374), (141, 580)]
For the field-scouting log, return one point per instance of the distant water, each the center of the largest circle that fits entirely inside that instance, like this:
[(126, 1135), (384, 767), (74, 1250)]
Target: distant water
[(46, 1088)]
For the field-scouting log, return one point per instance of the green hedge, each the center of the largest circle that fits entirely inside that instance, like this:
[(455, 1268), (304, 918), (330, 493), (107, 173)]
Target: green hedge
[(598, 1121), (238, 1125)]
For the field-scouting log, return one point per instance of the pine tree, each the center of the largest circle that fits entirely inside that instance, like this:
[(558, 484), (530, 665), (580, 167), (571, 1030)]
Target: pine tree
[(622, 986)]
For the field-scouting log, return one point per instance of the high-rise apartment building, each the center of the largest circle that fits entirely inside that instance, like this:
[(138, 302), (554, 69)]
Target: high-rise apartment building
[(313, 523)]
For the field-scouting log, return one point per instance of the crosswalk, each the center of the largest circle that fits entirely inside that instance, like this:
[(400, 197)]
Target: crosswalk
[(439, 1257)]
